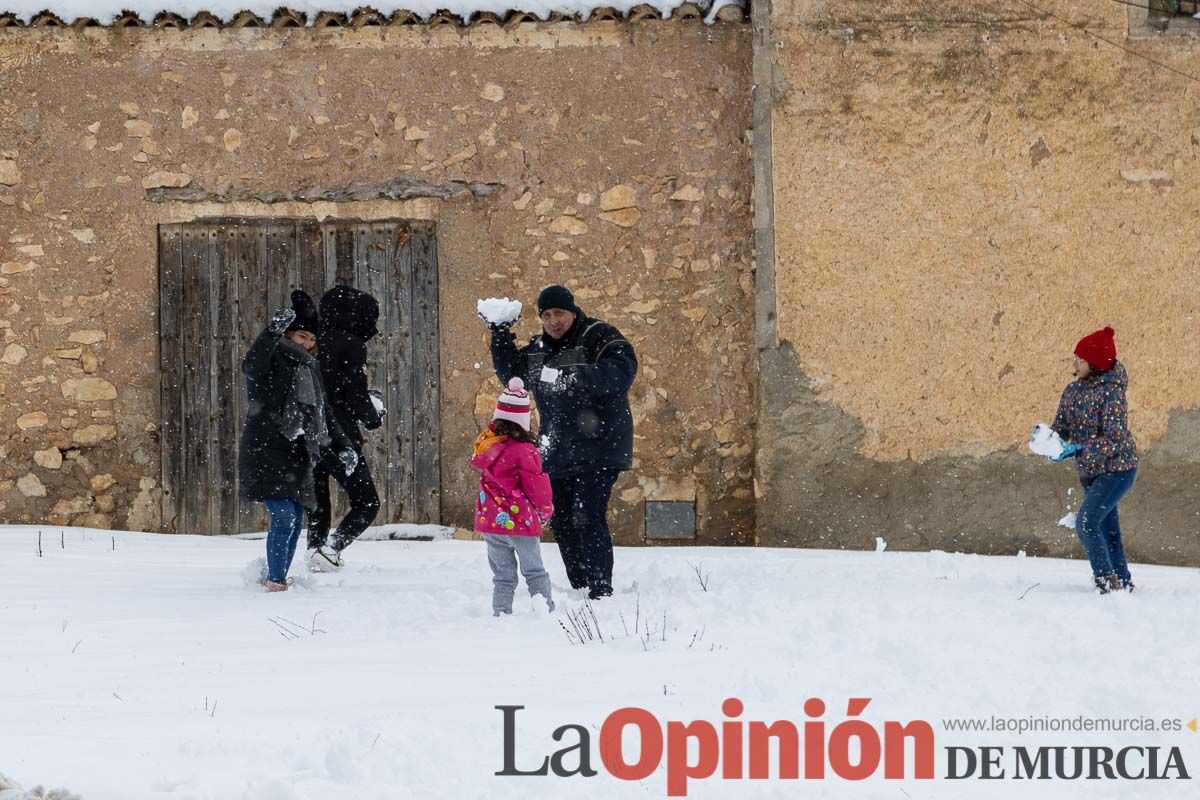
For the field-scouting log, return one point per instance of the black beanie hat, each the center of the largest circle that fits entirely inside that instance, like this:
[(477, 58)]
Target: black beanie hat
[(307, 318), (557, 297)]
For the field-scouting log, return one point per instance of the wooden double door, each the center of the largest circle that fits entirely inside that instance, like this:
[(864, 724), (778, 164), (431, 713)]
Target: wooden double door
[(219, 281)]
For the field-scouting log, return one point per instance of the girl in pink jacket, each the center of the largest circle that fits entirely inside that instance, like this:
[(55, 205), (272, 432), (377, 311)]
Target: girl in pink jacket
[(514, 501)]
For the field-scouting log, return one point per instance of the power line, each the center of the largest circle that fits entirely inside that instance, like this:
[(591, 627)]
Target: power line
[(1080, 27)]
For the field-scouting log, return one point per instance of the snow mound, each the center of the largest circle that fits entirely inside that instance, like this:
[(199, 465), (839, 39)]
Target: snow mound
[(1045, 442), (499, 310), (407, 531), (254, 573), (11, 790), (402, 531), (1069, 520)]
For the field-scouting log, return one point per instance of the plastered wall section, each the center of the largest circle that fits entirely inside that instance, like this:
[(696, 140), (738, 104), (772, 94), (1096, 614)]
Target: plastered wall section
[(969, 188), (625, 173), (962, 191)]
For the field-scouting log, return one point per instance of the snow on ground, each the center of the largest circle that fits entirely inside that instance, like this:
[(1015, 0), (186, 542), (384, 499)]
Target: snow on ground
[(145, 666), (383, 533)]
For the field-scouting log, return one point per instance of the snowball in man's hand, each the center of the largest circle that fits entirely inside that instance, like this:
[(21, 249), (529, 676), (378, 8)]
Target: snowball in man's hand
[(498, 310)]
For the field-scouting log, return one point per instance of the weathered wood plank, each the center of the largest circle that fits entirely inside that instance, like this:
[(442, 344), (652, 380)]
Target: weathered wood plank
[(399, 390), (247, 254), (311, 257), (280, 240), (189, 256), (294, 263), (227, 388), (197, 348), (344, 236), (427, 412), (329, 254), (210, 263), (170, 360), (223, 450), (373, 266)]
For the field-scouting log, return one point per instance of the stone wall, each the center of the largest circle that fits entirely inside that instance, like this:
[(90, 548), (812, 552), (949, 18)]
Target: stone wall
[(962, 191), (625, 169)]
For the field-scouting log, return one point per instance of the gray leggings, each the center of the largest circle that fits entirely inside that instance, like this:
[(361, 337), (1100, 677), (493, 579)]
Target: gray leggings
[(504, 552)]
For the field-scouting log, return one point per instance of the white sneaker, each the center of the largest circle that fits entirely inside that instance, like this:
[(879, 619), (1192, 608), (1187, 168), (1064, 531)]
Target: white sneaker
[(324, 559)]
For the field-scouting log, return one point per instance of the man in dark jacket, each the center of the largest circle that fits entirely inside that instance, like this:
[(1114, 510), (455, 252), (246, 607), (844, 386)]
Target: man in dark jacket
[(579, 370), (348, 318)]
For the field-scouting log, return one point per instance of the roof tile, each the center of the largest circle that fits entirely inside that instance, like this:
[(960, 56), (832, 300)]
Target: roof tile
[(363, 16)]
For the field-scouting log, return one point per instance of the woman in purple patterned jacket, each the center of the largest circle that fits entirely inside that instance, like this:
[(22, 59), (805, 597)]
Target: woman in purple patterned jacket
[(1092, 418)]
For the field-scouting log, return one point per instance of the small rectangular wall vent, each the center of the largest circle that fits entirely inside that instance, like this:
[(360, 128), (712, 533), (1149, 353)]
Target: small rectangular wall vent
[(670, 520)]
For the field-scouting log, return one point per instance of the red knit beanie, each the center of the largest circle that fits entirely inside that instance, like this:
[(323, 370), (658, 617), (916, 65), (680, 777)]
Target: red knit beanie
[(1098, 350)]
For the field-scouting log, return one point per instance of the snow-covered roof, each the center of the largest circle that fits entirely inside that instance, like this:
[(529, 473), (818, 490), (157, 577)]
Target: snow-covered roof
[(348, 13)]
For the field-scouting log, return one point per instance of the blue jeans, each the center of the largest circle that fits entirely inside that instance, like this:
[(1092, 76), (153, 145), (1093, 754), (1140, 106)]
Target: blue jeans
[(1098, 526), (287, 518)]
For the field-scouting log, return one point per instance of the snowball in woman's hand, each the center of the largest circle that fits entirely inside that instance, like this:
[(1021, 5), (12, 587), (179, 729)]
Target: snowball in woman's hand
[(498, 310), (1045, 442)]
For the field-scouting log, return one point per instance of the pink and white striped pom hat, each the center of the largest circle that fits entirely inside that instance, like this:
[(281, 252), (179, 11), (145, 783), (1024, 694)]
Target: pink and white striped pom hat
[(513, 404)]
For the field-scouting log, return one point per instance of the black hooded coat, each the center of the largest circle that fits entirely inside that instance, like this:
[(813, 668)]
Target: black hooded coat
[(348, 319), (581, 383), (271, 466)]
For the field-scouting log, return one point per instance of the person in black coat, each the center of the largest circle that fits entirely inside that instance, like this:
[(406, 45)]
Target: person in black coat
[(287, 430), (580, 371), (348, 319)]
